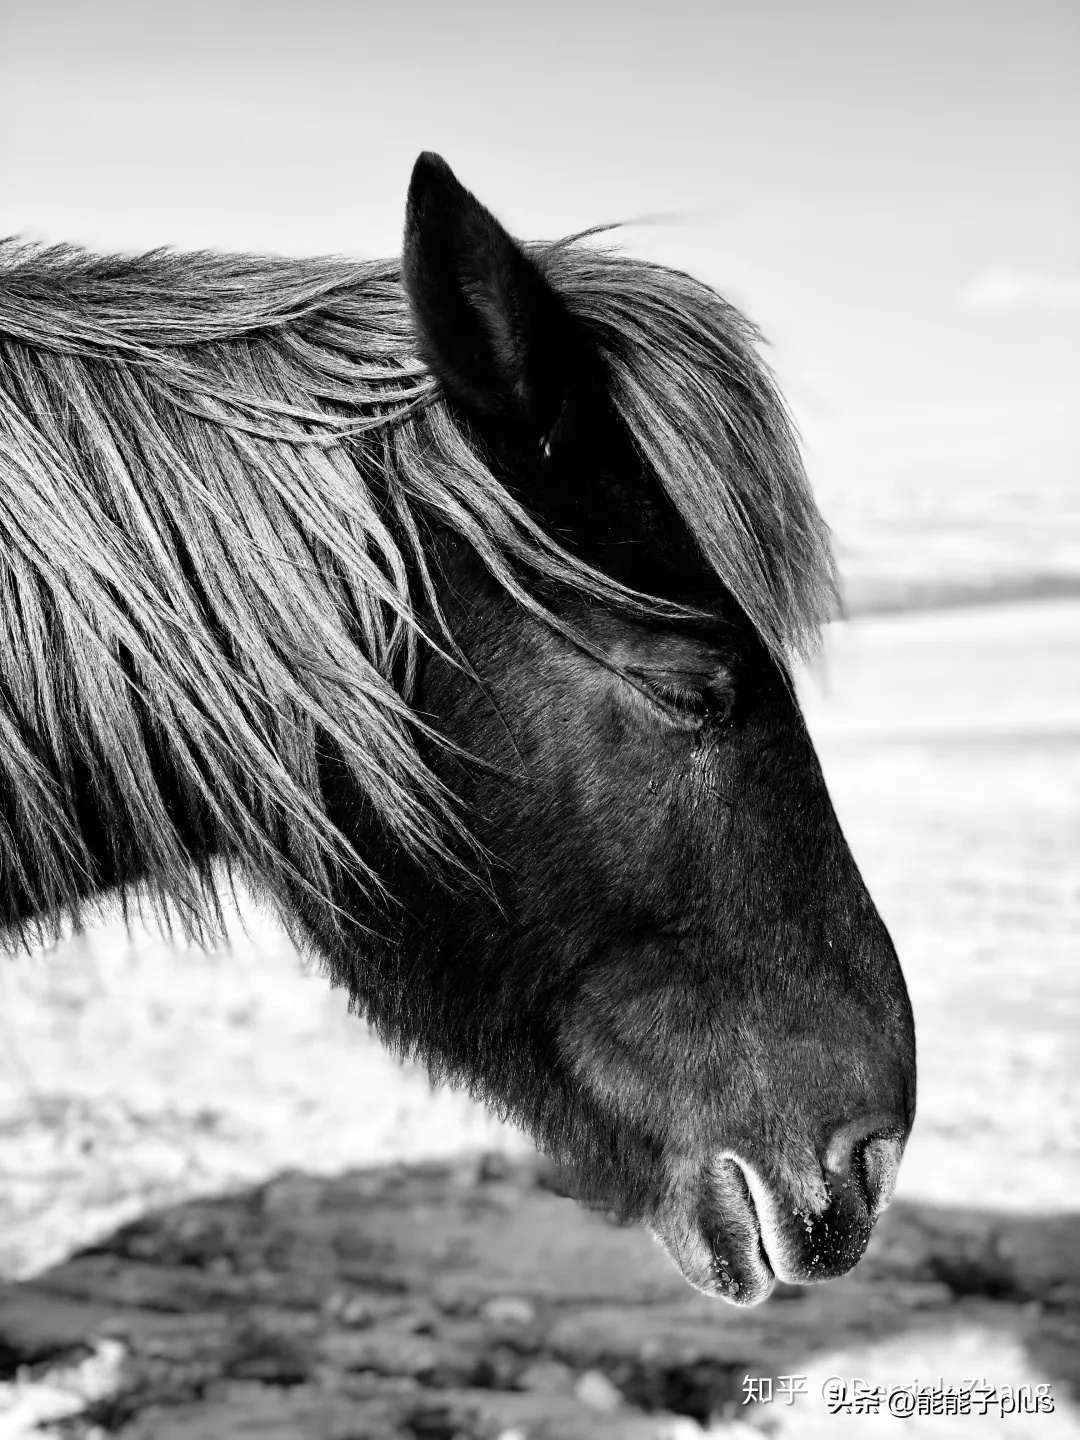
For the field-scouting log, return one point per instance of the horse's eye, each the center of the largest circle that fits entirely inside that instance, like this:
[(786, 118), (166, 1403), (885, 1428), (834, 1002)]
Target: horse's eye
[(700, 700)]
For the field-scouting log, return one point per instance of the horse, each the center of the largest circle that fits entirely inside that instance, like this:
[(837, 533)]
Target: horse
[(452, 602)]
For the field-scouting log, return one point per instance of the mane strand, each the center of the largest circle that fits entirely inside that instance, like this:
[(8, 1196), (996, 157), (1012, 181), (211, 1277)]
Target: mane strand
[(704, 410)]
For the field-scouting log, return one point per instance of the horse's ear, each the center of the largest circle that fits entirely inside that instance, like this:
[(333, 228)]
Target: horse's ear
[(489, 325)]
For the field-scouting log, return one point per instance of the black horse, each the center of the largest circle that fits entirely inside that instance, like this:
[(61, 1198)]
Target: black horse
[(452, 603)]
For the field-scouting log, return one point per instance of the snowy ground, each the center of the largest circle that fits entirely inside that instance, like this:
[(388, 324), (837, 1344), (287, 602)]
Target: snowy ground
[(951, 742)]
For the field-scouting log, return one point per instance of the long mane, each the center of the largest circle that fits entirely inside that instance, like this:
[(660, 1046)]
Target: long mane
[(218, 476)]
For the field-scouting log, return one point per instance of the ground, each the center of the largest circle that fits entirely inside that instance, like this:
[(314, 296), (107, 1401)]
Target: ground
[(394, 1283)]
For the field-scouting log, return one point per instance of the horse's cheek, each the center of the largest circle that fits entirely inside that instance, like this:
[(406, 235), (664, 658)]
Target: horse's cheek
[(650, 1029)]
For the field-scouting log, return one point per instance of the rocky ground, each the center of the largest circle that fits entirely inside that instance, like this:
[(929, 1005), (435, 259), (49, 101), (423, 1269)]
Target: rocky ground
[(453, 1301), (286, 1234)]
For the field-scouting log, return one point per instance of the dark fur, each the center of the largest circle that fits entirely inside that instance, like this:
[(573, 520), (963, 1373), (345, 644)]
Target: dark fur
[(456, 614)]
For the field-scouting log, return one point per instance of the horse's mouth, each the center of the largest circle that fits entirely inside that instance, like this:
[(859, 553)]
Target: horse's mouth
[(742, 1272), (721, 1250), (738, 1234)]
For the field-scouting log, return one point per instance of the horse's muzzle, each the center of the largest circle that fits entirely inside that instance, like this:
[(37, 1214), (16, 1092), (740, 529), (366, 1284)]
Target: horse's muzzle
[(748, 1231)]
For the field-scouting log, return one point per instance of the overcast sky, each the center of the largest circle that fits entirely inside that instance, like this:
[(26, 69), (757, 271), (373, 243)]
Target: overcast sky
[(889, 189)]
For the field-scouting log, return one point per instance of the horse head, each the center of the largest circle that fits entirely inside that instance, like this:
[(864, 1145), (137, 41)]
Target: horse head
[(673, 975)]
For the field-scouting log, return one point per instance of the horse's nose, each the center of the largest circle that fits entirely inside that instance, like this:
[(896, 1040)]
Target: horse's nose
[(865, 1153)]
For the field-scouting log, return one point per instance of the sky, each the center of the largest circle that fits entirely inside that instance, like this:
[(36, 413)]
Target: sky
[(889, 190)]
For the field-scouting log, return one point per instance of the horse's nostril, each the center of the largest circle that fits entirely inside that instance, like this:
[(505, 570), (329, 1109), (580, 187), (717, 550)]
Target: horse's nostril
[(865, 1152), (880, 1163)]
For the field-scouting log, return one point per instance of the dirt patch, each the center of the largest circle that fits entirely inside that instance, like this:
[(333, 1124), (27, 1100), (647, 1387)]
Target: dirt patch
[(468, 1300)]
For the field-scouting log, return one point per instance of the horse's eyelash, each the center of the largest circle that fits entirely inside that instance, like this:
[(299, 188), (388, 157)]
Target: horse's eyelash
[(680, 694), (701, 697)]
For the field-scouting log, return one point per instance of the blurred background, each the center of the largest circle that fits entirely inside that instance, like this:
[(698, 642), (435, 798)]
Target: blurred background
[(891, 193)]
